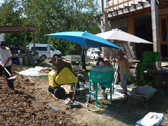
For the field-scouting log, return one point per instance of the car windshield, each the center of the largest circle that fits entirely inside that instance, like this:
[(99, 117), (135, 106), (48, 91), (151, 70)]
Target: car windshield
[(96, 52)]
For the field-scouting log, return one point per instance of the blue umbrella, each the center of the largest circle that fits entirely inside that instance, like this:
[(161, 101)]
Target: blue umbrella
[(85, 39)]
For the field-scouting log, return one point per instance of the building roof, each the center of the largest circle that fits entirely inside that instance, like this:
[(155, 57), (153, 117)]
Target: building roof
[(134, 9), (16, 29)]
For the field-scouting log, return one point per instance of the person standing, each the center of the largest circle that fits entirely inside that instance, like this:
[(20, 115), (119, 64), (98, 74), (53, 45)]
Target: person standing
[(99, 56), (123, 70), (6, 56)]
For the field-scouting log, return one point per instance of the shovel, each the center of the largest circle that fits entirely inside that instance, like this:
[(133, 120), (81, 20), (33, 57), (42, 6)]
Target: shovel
[(8, 73)]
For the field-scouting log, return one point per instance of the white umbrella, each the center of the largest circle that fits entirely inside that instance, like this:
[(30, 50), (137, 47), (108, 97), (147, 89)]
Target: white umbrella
[(119, 35)]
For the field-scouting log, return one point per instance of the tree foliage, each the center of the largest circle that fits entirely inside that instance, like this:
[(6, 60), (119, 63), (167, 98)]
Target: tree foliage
[(11, 15), (50, 16)]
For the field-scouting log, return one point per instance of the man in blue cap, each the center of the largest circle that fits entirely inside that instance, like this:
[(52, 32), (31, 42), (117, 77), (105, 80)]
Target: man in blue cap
[(6, 56)]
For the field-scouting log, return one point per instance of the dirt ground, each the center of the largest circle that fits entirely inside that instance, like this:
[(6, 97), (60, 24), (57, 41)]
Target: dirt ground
[(31, 104), (28, 105)]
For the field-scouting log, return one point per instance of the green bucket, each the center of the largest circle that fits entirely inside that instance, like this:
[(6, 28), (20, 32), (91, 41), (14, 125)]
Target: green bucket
[(101, 74)]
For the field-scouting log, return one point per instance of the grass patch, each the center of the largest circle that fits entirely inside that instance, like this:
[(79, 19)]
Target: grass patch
[(127, 113), (89, 66), (99, 123), (43, 77), (42, 64)]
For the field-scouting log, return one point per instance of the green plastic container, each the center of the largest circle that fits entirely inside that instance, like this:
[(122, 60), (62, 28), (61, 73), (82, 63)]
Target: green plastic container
[(101, 74), (104, 76)]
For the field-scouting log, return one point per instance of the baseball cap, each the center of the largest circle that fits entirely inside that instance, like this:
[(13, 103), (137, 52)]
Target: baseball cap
[(2, 43)]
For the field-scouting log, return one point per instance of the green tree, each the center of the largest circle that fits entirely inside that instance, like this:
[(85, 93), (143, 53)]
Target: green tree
[(47, 16), (79, 11), (11, 15), (50, 16)]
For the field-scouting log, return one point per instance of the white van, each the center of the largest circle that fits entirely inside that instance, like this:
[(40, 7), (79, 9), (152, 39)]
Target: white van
[(45, 50), (93, 53)]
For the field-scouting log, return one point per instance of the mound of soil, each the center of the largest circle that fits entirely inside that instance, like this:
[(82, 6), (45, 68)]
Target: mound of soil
[(22, 106), (16, 68), (45, 71)]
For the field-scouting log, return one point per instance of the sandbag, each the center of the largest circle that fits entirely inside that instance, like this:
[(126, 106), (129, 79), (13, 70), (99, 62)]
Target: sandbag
[(60, 64), (151, 119)]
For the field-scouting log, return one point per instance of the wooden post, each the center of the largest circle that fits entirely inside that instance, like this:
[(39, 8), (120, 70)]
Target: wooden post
[(102, 24), (155, 28), (99, 25), (25, 41), (131, 28), (105, 23), (115, 42)]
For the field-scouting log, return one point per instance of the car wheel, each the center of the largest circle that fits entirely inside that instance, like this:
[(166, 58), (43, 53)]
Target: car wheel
[(43, 57), (50, 89), (59, 92), (55, 56)]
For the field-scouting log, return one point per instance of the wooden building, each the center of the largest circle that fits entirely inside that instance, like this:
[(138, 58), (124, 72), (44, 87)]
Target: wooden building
[(23, 30), (147, 19)]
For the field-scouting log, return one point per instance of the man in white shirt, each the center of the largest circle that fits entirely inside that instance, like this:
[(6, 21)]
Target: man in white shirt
[(6, 56)]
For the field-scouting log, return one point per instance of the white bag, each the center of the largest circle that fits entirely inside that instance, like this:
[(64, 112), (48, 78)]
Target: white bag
[(151, 119)]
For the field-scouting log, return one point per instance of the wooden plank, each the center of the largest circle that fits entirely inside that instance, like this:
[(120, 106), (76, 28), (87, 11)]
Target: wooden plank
[(133, 13), (67, 89)]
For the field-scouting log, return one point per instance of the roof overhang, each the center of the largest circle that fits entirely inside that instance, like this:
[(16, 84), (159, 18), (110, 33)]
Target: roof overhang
[(16, 29), (127, 11)]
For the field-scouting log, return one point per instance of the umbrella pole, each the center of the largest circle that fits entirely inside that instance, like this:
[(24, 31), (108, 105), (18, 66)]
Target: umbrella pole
[(73, 98), (114, 67)]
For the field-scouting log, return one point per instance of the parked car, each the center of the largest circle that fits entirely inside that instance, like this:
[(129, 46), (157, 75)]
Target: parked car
[(45, 50), (75, 58), (93, 53)]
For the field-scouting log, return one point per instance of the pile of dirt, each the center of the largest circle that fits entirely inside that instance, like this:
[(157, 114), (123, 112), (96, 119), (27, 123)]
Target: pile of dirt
[(16, 68), (45, 71), (22, 107)]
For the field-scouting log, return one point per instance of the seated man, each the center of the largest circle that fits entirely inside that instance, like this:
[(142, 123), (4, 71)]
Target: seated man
[(100, 61)]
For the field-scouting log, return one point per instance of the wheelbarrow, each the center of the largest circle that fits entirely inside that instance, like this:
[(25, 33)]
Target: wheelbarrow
[(141, 94), (64, 77)]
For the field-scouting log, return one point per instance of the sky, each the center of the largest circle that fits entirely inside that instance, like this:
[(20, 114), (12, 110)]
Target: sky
[(104, 3), (1, 1)]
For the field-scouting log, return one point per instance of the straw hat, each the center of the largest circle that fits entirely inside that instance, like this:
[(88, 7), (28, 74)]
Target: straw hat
[(121, 53)]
